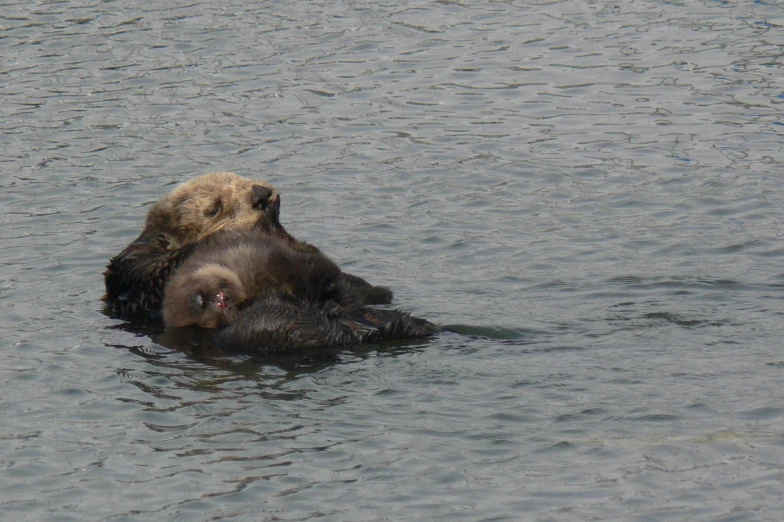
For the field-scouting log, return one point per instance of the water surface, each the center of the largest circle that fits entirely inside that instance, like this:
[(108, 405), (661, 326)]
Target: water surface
[(588, 193)]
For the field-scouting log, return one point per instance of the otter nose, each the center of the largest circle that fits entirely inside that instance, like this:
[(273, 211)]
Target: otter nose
[(261, 196)]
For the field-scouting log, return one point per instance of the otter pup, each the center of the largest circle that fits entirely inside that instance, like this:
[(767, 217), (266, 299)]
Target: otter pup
[(210, 296), (189, 214), (212, 287), (265, 295)]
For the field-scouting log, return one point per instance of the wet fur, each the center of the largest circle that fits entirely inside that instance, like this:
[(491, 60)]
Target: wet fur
[(274, 324)]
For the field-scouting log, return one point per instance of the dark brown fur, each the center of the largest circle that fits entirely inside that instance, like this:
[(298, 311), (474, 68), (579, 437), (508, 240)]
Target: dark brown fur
[(209, 297), (273, 324), (229, 268)]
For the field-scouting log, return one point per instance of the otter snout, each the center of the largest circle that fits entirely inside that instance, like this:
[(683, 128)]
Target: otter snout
[(261, 197)]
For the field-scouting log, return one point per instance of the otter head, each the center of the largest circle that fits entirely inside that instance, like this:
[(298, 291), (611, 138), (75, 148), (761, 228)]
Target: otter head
[(209, 297), (209, 203)]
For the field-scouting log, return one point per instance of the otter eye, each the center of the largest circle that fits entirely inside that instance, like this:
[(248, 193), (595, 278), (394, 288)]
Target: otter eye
[(214, 210), (200, 302)]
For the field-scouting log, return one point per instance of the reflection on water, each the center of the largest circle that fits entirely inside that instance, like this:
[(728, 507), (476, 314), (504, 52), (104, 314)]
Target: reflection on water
[(588, 195)]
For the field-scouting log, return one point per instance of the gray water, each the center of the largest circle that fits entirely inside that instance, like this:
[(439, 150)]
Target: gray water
[(589, 193)]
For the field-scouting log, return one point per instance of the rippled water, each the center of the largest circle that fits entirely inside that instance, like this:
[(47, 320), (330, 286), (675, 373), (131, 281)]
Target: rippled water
[(589, 192)]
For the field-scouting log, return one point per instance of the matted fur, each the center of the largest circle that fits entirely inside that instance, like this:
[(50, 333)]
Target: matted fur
[(272, 324)]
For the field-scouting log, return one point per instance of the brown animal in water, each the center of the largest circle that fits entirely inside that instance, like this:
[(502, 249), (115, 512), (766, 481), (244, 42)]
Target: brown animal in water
[(228, 269), (265, 295), (189, 214)]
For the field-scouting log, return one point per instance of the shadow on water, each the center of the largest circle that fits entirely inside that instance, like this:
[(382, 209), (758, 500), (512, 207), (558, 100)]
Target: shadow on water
[(189, 351), (197, 345)]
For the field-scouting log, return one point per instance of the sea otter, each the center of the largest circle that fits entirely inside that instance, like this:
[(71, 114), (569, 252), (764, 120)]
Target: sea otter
[(267, 296), (189, 214), (230, 268)]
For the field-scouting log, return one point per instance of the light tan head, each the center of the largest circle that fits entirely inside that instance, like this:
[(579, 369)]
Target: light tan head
[(207, 297), (209, 203)]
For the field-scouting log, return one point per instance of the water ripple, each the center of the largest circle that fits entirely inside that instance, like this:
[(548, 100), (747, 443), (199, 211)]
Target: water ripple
[(588, 195)]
